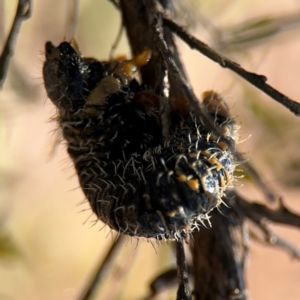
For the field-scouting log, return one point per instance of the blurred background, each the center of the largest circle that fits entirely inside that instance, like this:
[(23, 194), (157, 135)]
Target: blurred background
[(48, 244)]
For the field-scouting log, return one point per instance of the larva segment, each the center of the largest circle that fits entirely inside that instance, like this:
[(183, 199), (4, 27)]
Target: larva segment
[(136, 183)]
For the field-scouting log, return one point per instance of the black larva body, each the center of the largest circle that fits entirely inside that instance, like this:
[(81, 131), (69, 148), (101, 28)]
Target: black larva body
[(134, 182)]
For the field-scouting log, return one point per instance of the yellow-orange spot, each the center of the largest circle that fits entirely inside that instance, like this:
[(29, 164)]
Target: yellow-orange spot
[(222, 145), (75, 46), (214, 103), (215, 161), (142, 59), (212, 137), (228, 179), (206, 153), (127, 68), (222, 182), (108, 85), (172, 213), (194, 185), (121, 58), (181, 177)]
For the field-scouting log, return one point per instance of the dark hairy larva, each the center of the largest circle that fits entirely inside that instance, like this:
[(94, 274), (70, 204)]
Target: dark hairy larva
[(135, 181)]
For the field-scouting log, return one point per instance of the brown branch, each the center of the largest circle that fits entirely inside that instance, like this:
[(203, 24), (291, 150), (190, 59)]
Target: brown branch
[(71, 21), (258, 81), (219, 255), (23, 13), (273, 240), (165, 281), (104, 266), (258, 213), (183, 292)]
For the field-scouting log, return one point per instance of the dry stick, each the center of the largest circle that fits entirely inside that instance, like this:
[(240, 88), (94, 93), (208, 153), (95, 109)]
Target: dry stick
[(219, 257), (165, 281), (258, 81), (71, 19), (104, 266), (120, 272), (273, 240), (183, 292), (23, 13), (258, 212)]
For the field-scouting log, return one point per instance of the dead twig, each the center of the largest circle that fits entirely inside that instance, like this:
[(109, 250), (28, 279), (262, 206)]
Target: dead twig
[(258, 81), (23, 13), (275, 241), (259, 212), (183, 292), (104, 267)]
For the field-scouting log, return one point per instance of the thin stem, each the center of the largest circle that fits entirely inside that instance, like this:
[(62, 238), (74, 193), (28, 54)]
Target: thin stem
[(23, 13), (274, 240), (183, 292), (258, 212), (71, 19), (102, 269), (258, 81)]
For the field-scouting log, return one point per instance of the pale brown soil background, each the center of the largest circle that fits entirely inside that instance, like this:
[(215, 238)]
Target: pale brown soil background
[(40, 207)]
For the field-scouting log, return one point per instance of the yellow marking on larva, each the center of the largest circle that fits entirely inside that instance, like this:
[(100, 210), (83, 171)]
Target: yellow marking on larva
[(214, 103), (106, 86), (215, 161), (123, 72), (127, 68), (228, 179), (206, 153), (181, 177), (222, 145), (193, 184), (212, 137), (141, 59), (210, 169), (222, 182), (172, 213)]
